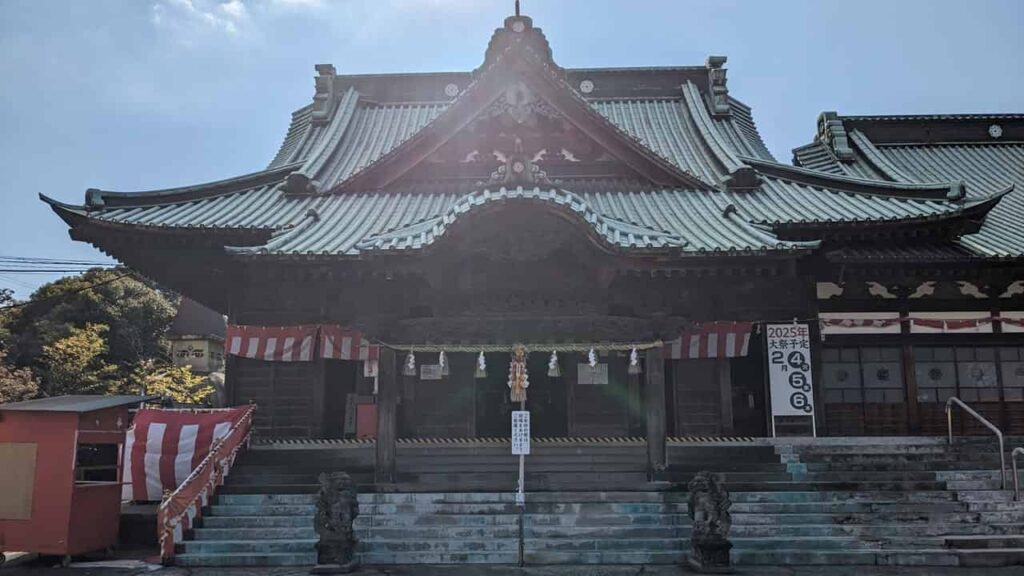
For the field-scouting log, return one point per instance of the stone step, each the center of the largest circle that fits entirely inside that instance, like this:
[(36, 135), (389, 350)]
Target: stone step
[(985, 495), (595, 520), (464, 520), (607, 544), (836, 486), (991, 557), (605, 532), (266, 499), (603, 557), (246, 559), (440, 545), (580, 508), (806, 543), (261, 488), (996, 506), (993, 484), (371, 532), (987, 541), (241, 522), (487, 497), (264, 533), (867, 530), (839, 507), (261, 510), (900, 466), (236, 546), (853, 518), (843, 496), (406, 558), (799, 557)]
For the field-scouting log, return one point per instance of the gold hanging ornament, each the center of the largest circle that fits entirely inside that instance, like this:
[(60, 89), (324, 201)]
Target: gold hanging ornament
[(481, 366), (518, 379), (634, 362), (410, 364), (554, 370)]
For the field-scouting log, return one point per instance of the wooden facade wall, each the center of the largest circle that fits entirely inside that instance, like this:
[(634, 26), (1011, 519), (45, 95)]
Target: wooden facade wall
[(288, 395)]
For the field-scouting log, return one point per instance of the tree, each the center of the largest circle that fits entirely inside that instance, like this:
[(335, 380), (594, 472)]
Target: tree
[(75, 364), (137, 316), (16, 384), (175, 382)]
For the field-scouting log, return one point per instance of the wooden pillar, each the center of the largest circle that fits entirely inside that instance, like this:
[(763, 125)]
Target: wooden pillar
[(318, 424), (387, 416), (723, 374), (654, 399)]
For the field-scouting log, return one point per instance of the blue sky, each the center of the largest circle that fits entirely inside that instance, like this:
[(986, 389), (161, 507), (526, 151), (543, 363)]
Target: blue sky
[(141, 94)]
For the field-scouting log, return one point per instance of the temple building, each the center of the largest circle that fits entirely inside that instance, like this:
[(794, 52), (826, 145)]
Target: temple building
[(626, 226)]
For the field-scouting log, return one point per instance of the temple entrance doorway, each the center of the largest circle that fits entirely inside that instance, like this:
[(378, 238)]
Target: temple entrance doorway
[(545, 399)]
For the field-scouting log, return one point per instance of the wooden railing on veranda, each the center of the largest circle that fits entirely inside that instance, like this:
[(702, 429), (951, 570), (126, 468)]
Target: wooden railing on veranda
[(180, 509)]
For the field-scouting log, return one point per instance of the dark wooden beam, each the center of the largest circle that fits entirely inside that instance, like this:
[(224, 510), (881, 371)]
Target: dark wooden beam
[(387, 421), (654, 395)]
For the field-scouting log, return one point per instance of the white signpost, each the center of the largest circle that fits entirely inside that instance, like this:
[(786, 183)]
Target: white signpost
[(789, 371), (521, 447)]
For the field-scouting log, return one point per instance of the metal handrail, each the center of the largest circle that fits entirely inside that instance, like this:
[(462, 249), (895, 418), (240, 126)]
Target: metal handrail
[(1013, 461), (949, 420)]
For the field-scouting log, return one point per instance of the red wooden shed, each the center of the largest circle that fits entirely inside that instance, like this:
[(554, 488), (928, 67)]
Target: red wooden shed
[(60, 482)]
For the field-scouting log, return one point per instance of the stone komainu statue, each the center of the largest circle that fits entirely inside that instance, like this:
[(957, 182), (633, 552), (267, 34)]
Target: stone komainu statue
[(337, 506), (709, 509)]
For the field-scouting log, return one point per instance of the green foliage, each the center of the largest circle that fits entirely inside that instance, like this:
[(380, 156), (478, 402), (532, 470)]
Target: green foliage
[(177, 383), (16, 384), (136, 314), (76, 364)]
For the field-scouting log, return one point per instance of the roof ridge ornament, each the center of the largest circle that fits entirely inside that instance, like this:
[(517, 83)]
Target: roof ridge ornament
[(832, 132), (518, 30), (323, 99), (718, 93)]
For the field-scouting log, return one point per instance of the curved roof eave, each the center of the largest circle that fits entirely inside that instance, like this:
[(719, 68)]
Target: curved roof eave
[(99, 199), (948, 191)]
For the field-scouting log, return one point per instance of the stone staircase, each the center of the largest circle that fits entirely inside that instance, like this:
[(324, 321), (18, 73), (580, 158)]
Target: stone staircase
[(908, 501)]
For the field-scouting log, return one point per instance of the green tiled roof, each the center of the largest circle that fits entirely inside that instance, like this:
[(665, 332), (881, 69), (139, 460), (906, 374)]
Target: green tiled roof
[(987, 167), (682, 221)]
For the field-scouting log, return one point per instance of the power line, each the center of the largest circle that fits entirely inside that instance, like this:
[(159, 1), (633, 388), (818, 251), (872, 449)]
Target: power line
[(48, 270), (63, 294), (36, 260)]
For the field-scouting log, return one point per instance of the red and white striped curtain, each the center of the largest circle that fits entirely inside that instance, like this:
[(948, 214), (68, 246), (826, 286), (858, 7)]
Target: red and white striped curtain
[(274, 343), (163, 447), (302, 344), (712, 340), (340, 343)]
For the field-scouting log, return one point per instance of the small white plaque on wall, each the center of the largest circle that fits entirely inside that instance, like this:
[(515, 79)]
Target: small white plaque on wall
[(597, 375)]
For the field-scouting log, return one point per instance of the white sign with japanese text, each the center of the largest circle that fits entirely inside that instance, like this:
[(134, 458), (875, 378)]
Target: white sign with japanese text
[(520, 432), (789, 369)]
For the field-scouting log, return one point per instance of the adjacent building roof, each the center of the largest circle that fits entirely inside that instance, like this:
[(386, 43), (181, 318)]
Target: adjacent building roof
[(985, 151), (76, 403), (197, 321)]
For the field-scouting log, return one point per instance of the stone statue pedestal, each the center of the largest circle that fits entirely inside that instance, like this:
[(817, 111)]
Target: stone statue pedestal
[(335, 568), (711, 557)]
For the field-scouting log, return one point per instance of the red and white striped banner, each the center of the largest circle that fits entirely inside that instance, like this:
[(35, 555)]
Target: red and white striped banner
[(860, 322), (712, 340), (338, 343), (274, 343), (163, 447), (951, 325)]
